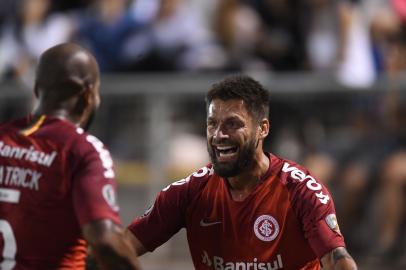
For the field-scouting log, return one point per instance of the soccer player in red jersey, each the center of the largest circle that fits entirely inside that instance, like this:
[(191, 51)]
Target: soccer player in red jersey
[(248, 209), (57, 184)]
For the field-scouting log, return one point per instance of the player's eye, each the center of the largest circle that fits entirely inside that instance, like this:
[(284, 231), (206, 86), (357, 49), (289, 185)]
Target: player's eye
[(211, 123), (233, 124)]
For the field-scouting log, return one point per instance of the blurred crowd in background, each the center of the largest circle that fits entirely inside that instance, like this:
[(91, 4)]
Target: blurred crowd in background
[(356, 144), (361, 158), (356, 39)]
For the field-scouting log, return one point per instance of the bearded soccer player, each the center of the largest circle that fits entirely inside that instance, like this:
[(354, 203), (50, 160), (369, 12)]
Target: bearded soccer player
[(57, 185), (248, 209)]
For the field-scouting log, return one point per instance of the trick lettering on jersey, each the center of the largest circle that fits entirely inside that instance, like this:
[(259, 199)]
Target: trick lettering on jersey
[(311, 183), (27, 154), (19, 177), (218, 263)]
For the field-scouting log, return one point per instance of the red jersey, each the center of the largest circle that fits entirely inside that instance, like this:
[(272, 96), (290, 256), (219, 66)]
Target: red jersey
[(287, 222), (54, 178)]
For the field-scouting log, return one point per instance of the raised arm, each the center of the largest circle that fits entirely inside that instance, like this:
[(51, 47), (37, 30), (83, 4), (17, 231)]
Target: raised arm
[(338, 259), (109, 246)]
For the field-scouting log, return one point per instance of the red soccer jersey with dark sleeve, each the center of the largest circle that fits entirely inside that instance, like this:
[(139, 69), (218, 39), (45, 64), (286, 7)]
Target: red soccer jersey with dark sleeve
[(54, 178), (287, 222)]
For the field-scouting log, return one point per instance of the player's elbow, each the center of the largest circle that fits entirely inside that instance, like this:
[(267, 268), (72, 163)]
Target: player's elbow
[(338, 259)]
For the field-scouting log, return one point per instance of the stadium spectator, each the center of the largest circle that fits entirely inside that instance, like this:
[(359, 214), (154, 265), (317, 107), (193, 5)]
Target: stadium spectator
[(391, 213), (385, 29), (175, 40), (237, 28), (57, 183), (248, 207), (371, 188), (104, 28), (281, 41), (391, 178), (322, 35), (30, 33), (355, 66)]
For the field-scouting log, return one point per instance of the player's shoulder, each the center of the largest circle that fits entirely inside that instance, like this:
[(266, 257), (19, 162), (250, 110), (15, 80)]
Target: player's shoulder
[(87, 148), (71, 138), (88, 145), (13, 125), (288, 170), (66, 133), (194, 181), (85, 140), (299, 181)]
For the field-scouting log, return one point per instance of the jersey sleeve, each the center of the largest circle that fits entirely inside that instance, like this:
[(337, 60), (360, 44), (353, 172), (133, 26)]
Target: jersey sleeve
[(94, 185), (165, 217), (314, 207)]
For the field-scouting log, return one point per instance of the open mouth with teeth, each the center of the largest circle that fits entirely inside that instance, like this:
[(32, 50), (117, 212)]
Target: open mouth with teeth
[(225, 153)]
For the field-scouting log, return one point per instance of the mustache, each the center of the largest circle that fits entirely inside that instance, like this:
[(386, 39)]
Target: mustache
[(222, 141)]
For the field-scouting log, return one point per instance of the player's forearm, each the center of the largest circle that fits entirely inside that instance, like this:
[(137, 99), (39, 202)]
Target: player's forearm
[(109, 246), (137, 245), (338, 259)]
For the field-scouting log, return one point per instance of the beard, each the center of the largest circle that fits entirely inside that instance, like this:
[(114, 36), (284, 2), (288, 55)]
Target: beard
[(245, 158)]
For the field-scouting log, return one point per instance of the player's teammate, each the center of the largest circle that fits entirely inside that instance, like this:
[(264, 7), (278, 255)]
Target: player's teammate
[(57, 186), (248, 210)]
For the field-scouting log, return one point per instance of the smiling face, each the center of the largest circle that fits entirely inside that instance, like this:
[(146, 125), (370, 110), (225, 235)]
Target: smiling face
[(232, 136)]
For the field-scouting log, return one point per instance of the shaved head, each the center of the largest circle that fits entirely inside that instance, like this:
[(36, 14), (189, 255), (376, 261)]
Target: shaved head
[(65, 70), (67, 84)]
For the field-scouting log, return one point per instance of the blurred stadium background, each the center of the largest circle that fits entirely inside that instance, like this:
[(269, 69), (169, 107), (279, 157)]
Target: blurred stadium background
[(335, 70)]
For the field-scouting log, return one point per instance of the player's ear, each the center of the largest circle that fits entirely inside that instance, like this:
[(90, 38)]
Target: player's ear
[(264, 128), (88, 95), (88, 91), (84, 101)]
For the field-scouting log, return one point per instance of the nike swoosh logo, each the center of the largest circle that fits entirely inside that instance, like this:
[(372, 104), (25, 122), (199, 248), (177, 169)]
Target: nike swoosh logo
[(205, 224)]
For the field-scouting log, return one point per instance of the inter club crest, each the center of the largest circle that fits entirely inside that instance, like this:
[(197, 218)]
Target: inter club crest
[(266, 228)]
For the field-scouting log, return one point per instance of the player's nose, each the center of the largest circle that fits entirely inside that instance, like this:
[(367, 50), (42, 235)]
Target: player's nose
[(220, 134)]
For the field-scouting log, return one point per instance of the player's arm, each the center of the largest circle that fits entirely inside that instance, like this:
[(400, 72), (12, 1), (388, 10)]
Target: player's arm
[(166, 216), (109, 246), (94, 199), (136, 244), (315, 208), (338, 259)]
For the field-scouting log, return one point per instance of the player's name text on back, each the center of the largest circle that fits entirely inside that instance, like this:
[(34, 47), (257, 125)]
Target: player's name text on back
[(28, 154), (19, 177)]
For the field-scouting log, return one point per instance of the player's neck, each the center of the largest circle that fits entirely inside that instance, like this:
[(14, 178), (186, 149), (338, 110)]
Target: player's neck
[(243, 184), (57, 113)]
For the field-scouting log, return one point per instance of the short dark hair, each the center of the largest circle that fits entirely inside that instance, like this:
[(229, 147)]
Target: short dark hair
[(243, 87)]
